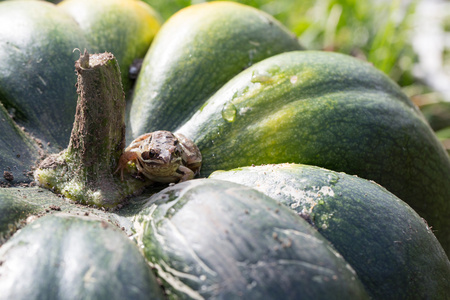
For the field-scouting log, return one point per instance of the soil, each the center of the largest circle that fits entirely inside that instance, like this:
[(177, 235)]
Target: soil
[(55, 207), (50, 162), (8, 175)]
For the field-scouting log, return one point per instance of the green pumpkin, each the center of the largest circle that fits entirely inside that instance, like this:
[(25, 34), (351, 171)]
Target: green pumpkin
[(198, 50), (377, 233), (332, 111), (205, 238), (37, 42), (123, 27), (72, 257), (228, 241), (36, 68), (323, 109)]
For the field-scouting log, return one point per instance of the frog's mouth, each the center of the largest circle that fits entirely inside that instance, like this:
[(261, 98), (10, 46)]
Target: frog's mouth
[(160, 161), (155, 162)]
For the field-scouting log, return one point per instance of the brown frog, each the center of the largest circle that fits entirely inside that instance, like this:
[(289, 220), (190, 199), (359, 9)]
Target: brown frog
[(163, 156)]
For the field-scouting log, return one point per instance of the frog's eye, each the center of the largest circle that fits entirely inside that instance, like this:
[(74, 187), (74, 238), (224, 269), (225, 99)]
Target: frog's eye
[(145, 155), (149, 154)]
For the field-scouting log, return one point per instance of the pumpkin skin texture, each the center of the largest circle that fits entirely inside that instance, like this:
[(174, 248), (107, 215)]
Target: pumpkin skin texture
[(277, 129), (13, 213), (37, 80), (20, 205), (68, 257), (17, 159), (123, 27), (36, 67), (216, 239), (332, 111), (391, 248), (197, 51), (37, 59)]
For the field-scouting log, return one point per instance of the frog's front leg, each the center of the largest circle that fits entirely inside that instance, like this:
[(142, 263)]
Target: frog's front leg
[(187, 173), (123, 161)]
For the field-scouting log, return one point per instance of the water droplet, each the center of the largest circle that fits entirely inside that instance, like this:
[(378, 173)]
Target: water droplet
[(260, 76), (244, 110), (333, 178), (229, 112)]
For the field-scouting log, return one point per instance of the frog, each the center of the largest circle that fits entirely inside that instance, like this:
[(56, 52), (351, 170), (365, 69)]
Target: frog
[(162, 156)]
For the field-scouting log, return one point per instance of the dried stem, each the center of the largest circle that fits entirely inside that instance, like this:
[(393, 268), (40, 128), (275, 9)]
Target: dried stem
[(84, 171)]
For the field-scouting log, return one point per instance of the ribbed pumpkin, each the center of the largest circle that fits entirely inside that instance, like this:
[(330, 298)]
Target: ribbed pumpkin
[(234, 80)]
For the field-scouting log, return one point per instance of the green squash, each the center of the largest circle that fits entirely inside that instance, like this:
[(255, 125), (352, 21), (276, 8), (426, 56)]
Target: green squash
[(392, 249), (36, 68), (311, 107), (37, 81), (71, 257), (123, 27), (16, 160), (21, 205), (13, 213), (198, 50), (211, 239), (332, 111)]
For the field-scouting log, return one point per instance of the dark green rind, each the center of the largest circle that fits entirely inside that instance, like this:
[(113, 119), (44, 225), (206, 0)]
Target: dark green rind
[(14, 212), (197, 51), (18, 152), (393, 251), (124, 28), (17, 204), (67, 257), (219, 240), (36, 67), (333, 111)]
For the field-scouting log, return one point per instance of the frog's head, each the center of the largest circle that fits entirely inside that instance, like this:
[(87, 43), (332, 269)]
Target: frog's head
[(161, 156), (162, 148)]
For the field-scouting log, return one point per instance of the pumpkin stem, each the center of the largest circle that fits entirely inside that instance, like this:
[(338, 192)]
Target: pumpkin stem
[(84, 171)]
